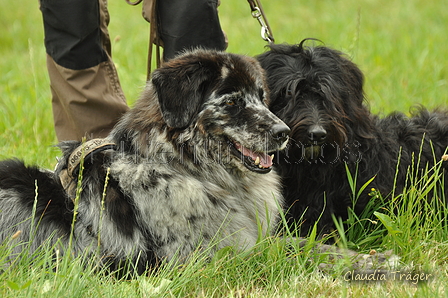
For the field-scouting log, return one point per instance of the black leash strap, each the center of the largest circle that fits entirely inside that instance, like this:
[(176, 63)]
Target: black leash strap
[(149, 14), (258, 13)]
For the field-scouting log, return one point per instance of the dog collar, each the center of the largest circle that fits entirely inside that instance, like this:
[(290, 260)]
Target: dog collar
[(82, 152)]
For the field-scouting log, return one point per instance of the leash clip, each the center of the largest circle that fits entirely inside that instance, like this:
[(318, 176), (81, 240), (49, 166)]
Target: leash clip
[(258, 13)]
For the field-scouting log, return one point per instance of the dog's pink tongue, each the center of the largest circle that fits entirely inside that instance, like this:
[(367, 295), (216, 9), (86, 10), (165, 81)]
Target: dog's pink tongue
[(265, 160)]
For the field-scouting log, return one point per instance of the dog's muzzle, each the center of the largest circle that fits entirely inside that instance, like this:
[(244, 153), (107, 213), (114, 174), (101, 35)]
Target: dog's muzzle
[(317, 136), (262, 161)]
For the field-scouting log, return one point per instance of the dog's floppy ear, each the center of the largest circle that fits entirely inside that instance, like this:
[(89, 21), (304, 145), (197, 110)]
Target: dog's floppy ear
[(182, 85)]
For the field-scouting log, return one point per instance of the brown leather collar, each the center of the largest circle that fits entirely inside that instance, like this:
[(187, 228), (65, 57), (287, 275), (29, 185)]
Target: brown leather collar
[(81, 153)]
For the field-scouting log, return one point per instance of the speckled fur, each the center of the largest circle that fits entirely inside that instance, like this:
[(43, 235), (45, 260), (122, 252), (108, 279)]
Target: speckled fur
[(174, 182)]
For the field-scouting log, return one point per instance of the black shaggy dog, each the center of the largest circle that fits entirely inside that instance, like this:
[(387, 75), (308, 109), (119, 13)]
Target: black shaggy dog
[(188, 167), (318, 92)]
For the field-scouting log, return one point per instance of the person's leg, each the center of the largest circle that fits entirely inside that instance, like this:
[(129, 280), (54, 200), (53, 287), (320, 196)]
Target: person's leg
[(187, 24), (87, 96)]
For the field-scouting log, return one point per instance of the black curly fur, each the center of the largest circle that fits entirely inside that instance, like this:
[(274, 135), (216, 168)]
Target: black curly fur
[(318, 93)]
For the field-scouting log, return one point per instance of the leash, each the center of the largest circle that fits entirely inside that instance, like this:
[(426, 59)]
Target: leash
[(149, 14), (258, 13)]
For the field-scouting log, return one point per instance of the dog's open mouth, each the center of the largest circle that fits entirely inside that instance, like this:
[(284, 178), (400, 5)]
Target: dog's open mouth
[(259, 162)]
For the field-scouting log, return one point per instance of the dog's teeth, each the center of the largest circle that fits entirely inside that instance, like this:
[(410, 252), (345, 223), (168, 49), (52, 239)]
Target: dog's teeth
[(257, 161), (272, 157), (260, 166)]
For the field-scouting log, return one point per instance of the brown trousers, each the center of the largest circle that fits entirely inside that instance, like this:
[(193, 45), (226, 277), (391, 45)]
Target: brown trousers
[(86, 102), (87, 98)]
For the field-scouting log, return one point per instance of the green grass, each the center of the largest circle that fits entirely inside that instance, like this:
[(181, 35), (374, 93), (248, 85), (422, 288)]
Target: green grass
[(399, 45)]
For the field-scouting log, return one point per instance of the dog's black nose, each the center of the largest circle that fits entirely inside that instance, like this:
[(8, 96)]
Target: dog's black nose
[(280, 132), (317, 134)]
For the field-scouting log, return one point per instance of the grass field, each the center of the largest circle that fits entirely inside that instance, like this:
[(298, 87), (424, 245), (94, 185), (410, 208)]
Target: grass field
[(401, 46)]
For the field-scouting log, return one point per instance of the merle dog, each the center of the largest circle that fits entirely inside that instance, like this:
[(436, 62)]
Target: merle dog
[(188, 167), (318, 92)]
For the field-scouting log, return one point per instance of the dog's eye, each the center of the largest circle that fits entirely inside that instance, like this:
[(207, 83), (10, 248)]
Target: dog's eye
[(230, 102), (233, 105), (286, 93)]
